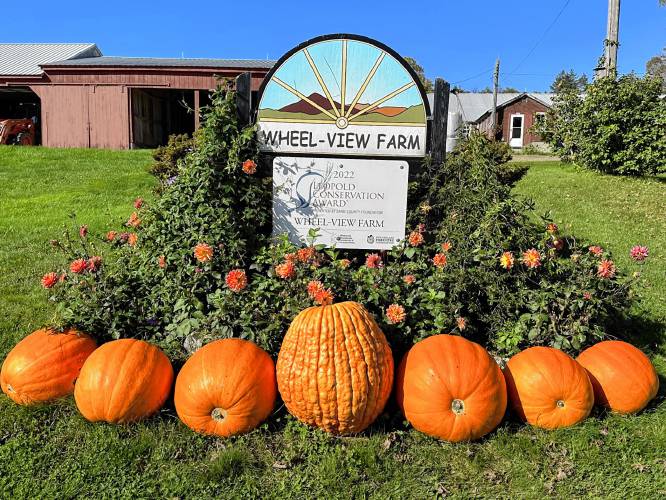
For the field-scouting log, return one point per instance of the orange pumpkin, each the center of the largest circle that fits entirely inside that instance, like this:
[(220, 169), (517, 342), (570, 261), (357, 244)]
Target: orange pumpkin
[(226, 388), (335, 368), (547, 388), (623, 378), (44, 365), (451, 388), (123, 381)]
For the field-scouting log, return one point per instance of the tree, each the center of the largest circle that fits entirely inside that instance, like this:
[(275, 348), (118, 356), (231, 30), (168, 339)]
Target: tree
[(557, 128), (568, 80), (616, 128), (420, 72), (619, 126), (656, 66)]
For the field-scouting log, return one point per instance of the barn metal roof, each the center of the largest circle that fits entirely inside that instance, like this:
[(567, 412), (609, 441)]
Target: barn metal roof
[(26, 58), (473, 105), (160, 62)]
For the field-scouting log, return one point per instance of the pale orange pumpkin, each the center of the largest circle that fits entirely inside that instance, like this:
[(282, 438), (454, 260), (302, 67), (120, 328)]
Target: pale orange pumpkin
[(451, 388), (335, 368), (226, 388), (547, 388), (623, 378), (44, 365), (123, 381)]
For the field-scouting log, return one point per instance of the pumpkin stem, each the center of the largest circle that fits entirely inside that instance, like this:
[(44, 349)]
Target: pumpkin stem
[(560, 403), (458, 406), (218, 414)]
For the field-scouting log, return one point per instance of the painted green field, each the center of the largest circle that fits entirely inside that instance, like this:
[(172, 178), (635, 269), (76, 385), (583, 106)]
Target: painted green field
[(52, 452)]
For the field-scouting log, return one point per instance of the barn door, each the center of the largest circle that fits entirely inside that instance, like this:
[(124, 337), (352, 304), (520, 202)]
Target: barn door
[(516, 130), (108, 119)]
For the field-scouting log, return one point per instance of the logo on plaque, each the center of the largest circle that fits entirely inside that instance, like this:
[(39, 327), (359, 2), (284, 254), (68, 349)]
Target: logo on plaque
[(328, 109), (343, 96)]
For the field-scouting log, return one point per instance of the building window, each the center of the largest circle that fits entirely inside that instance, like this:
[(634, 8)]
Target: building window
[(516, 127), (539, 117)]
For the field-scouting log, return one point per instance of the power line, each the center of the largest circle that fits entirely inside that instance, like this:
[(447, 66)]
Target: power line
[(474, 76), (541, 38)]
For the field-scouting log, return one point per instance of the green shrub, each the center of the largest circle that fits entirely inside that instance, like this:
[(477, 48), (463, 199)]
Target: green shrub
[(617, 127), (151, 285), (620, 126), (167, 157)]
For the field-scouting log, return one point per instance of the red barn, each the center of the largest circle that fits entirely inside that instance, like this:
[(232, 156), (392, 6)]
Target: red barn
[(516, 114), (80, 98)]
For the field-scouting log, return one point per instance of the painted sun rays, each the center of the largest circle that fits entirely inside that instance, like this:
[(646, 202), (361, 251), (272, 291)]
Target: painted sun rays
[(341, 114)]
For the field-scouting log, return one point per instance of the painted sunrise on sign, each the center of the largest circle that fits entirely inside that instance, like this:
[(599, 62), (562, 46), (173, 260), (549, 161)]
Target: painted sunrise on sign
[(342, 96)]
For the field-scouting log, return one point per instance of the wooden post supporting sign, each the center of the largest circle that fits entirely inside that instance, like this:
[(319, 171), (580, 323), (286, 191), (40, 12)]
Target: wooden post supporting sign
[(440, 115)]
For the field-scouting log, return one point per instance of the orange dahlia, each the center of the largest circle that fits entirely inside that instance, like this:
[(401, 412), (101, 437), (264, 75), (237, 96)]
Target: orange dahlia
[(111, 235), (507, 260), (396, 313), (531, 258), (291, 257), (306, 254), (551, 228), (416, 238), (606, 269), (446, 246), (596, 250), (461, 322), (439, 260), (236, 280), (94, 263), (138, 203), (203, 252), (324, 297), (49, 279), (344, 263), (132, 238), (314, 287), (373, 261), (78, 266), (286, 270), (409, 279), (134, 220), (249, 167), (161, 261)]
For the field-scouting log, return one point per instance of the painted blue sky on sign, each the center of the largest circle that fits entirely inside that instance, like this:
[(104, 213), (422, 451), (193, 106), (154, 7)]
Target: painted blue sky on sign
[(327, 57)]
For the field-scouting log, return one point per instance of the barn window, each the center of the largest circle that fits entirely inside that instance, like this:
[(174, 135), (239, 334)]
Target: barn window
[(539, 117)]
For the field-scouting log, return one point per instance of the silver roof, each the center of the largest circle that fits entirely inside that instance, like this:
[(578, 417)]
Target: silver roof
[(473, 105), (165, 62), (26, 58)]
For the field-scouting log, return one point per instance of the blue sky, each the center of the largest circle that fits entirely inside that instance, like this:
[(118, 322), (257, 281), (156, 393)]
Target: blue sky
[(454, 40)]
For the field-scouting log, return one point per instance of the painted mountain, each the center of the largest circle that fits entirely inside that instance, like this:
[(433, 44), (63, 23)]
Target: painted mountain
[(303, 110)]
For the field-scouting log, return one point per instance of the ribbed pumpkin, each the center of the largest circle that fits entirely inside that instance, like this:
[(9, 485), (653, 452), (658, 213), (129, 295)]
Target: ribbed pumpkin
[(623, 378), (335, 368), (44, 365), (123, 381), (451, 388), (227, 387), (547, 388)]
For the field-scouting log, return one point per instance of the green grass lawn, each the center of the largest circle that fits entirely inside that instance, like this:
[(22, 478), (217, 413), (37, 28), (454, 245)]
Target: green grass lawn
[(50, 451)]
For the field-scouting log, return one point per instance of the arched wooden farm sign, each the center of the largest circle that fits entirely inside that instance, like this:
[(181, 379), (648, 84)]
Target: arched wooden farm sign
[(335, 105)]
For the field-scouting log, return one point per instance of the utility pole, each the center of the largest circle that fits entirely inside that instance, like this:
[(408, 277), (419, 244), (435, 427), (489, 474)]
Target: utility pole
[(611, 43), (493, 118)]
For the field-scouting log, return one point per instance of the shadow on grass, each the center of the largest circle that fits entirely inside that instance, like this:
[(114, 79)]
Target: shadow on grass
[(642, 330)]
